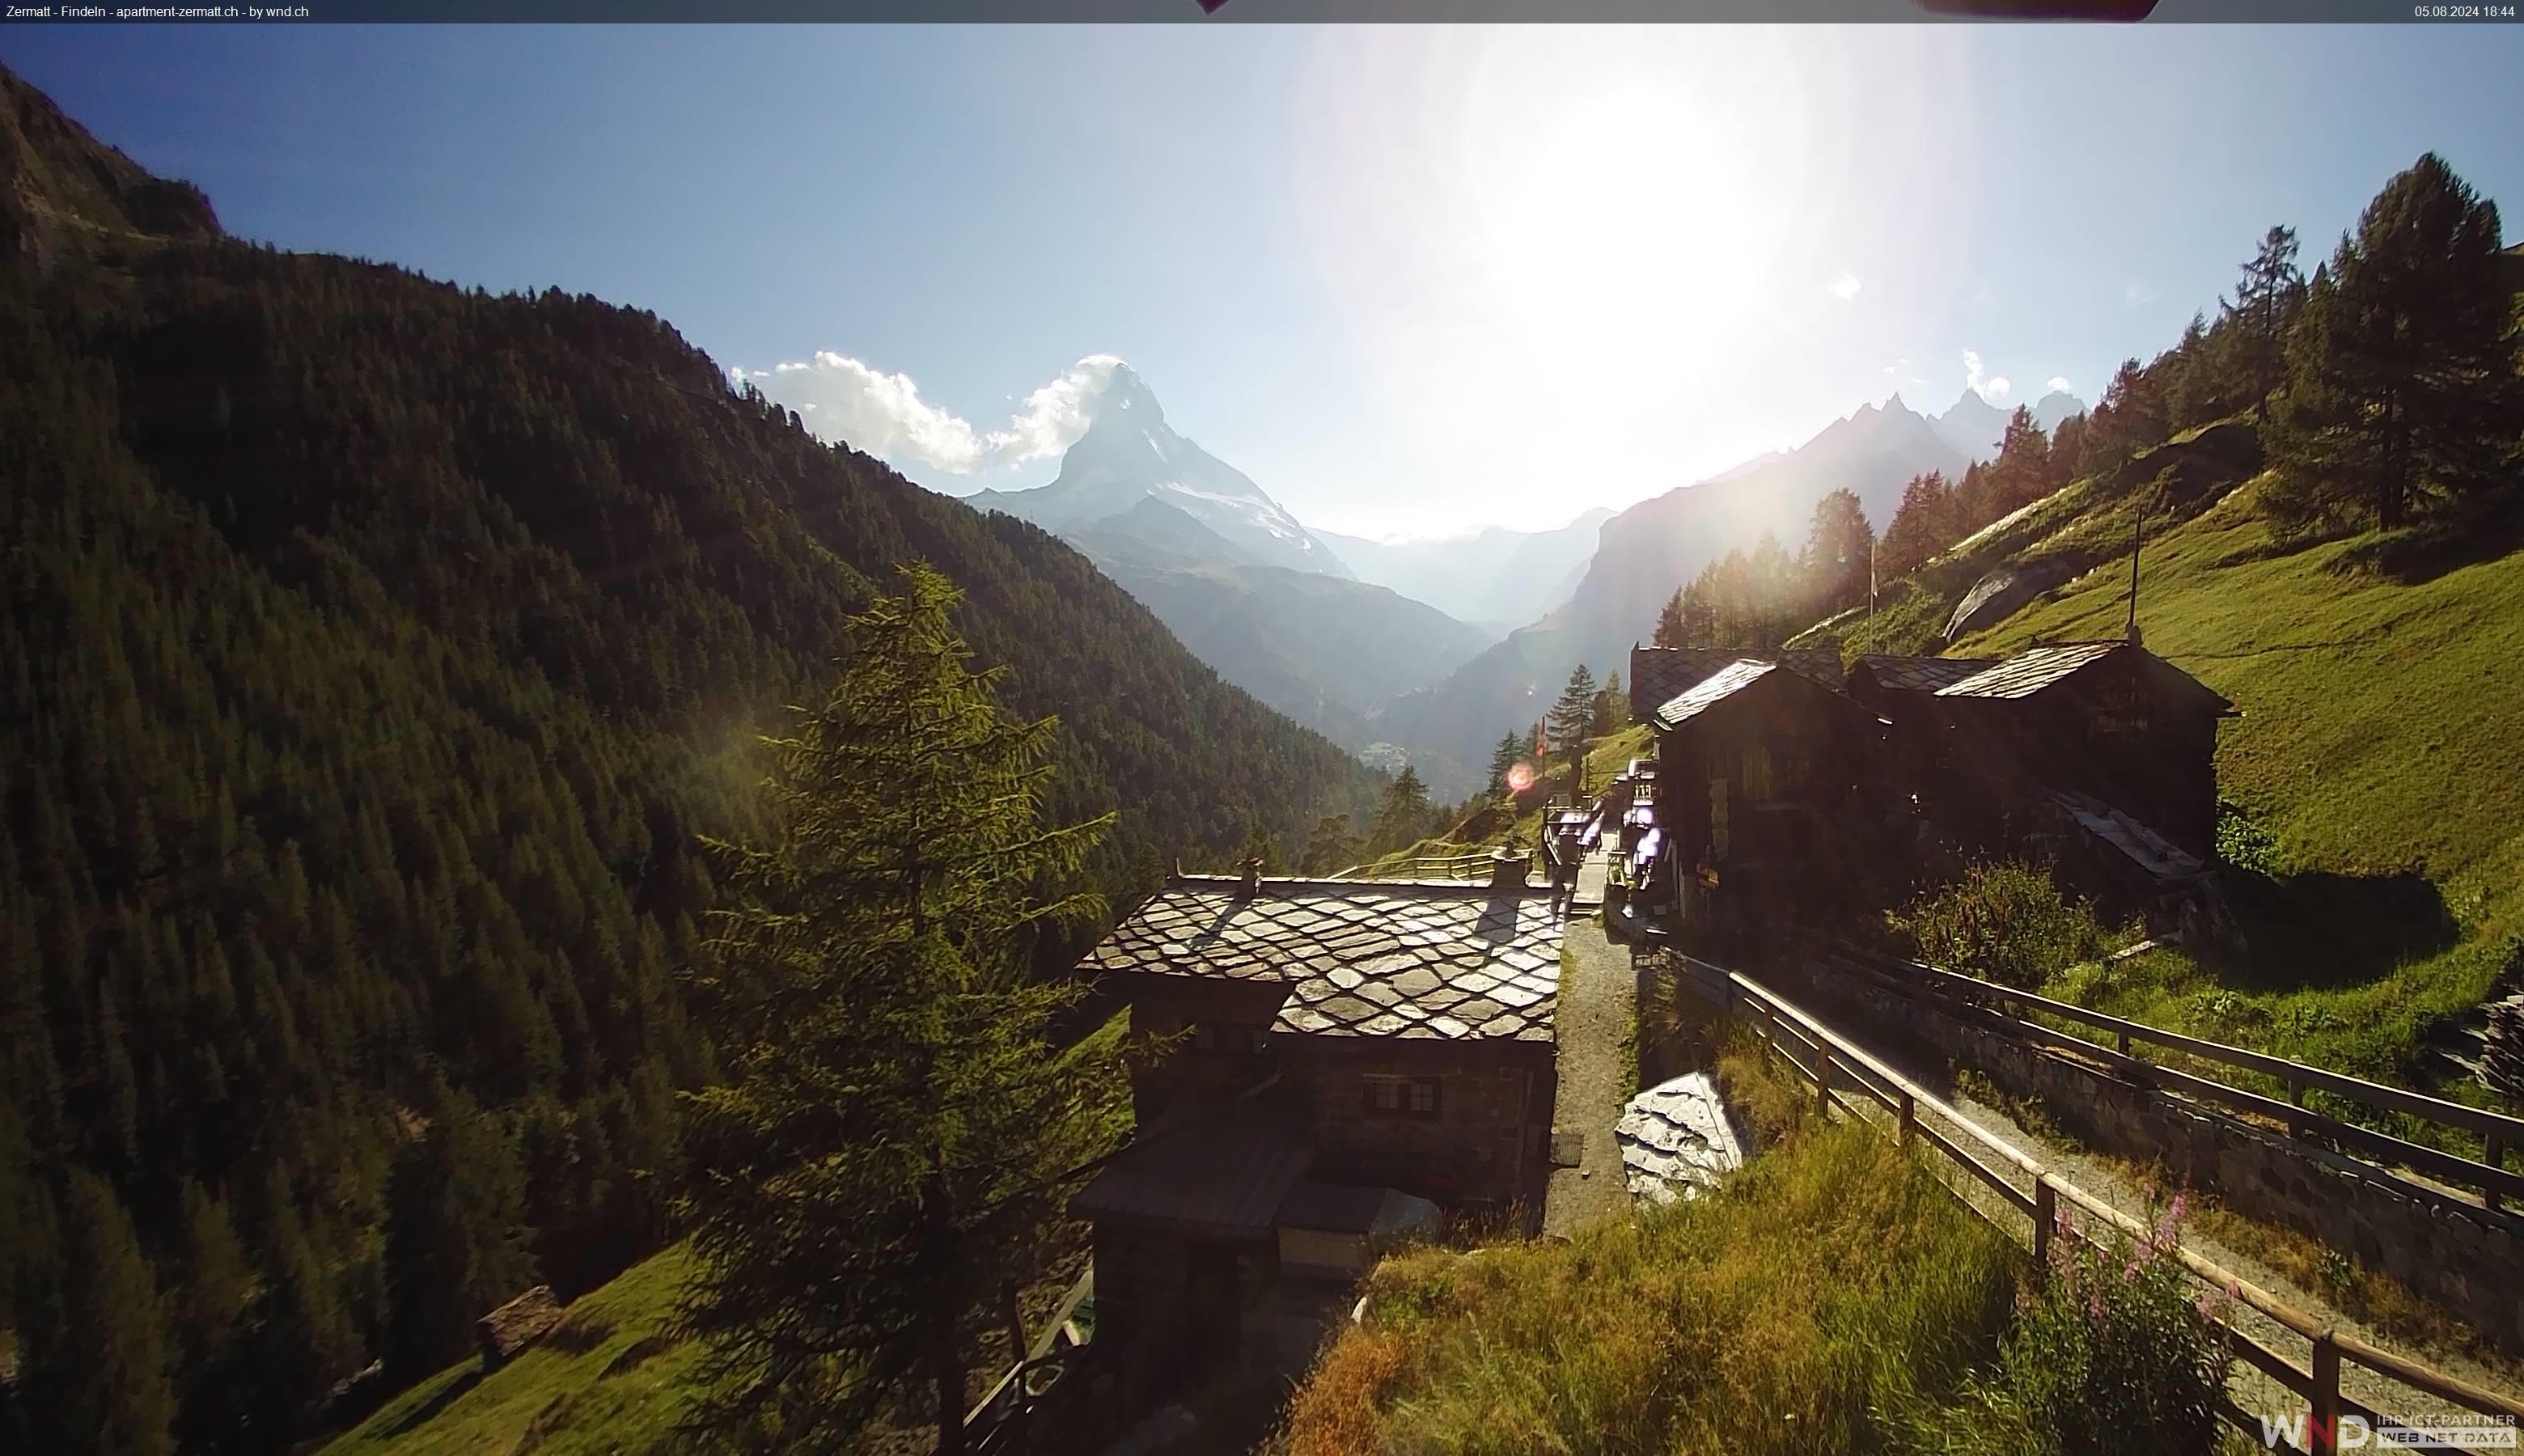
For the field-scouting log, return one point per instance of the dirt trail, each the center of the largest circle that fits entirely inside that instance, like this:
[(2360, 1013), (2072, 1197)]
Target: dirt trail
[(1595, 1017)]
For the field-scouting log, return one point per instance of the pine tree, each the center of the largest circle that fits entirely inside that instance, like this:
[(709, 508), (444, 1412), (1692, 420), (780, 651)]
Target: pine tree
[(1924, 525), (96, 1369), (2402, 370), (1404, 812), (455, 1243), (1574, 711), (1503, 761), (1331, 847), (2263, 310), (891, 1147), (1837, 547), (1612, 707)]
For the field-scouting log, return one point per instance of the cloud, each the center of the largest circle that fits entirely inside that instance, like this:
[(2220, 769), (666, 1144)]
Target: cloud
[(1845, 287), (1990, 387), (2058, 384), (1900, 371), (2137, 293), (843, 399)]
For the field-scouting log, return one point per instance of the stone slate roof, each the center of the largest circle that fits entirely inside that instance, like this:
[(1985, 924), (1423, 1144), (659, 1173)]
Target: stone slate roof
[(1717, 688), (2031, 671), (1922, 674), (1359, 958), (1661, 674)]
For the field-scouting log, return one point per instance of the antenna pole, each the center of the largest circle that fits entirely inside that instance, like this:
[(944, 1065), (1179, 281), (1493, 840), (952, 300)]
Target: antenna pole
[(2138, 536)]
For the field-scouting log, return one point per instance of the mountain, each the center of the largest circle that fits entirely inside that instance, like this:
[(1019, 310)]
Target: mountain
[(1972, 426), (1130, 454), (1320, 648), (377, 654), (1493, 575), (1648, 552), (2056, 407)]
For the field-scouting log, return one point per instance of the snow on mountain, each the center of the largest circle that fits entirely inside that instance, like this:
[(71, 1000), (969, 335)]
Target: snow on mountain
[(1130, 454)]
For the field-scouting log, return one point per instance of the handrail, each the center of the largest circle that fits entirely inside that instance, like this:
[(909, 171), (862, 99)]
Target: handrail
[(1442, 863), (2318, 1381), (2498, 1131)]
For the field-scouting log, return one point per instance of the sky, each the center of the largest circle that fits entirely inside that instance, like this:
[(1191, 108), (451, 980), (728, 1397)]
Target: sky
[(1409, 280)]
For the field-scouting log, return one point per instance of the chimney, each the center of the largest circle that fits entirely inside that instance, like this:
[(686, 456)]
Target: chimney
[(1251, 866), (1509, 868)]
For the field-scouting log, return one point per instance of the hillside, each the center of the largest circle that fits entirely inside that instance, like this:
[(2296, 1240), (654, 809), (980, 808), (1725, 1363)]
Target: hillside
[(378, 653), (1492, 576), (2379, 700), (1644, 554), (1323, 649)]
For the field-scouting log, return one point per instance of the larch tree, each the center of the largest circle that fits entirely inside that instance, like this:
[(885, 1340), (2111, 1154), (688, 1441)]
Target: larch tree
[(1574, 713), (1503, 761), (2265, 308), (2403, 368), (1399, 819), (889, 1155)]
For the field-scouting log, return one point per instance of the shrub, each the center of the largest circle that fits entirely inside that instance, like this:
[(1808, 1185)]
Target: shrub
[(2242, 843), (2004, 922), (2113, 1352)]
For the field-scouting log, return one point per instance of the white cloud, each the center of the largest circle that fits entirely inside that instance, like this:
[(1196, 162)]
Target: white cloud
[(1845, 287), (883, 414), (2058, 384), (1990, 387), (2137, 293), (1901, 372)]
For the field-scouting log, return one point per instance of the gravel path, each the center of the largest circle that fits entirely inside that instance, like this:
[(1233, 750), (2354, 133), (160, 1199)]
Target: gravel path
[(1595, 1017), (2108, 1181)]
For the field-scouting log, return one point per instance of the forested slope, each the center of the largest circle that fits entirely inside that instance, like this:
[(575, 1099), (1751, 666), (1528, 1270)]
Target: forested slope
[(375, 651)]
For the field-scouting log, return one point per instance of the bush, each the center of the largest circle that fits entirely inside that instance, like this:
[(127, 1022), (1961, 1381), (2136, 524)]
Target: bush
[(2111, 1353), (2006, 923), (2242, 843)]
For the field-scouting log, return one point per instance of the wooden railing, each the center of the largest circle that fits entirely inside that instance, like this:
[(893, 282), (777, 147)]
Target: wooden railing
[(1970, 999), (1473, 866), (1842, 1072)]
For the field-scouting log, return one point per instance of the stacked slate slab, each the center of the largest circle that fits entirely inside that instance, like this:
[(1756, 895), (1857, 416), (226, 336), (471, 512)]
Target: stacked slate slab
[(2501, 1062), (1676, 1141)]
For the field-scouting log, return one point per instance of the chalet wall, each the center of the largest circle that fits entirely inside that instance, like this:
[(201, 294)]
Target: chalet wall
[(2456, 1252), (1487, 1141)]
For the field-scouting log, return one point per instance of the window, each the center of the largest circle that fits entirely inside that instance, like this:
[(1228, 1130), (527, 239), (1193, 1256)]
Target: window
[(1403, 1097)]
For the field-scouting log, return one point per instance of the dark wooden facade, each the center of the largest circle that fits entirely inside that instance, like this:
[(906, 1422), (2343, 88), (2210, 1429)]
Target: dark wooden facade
[(2109, 721), (1765, 779)]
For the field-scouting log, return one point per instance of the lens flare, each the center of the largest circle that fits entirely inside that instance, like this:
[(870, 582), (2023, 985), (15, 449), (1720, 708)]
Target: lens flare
[(1520, 778)]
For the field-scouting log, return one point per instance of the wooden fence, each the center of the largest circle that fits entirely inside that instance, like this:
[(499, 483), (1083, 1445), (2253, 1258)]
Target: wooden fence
[(1474, 867), (1970, 999), (1841, 1073)]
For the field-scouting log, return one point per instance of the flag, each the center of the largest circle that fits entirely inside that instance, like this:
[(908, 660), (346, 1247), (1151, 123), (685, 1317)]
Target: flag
[(1540, 748)]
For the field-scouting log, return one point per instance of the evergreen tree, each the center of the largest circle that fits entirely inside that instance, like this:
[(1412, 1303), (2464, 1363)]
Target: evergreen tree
[(1612, 706), (891, 1149), (1574, 713), (1925, 524), (1838, 546), (1404, 812), (1331, 847), (96, 1363), (2402, 370), (2263, 310), (1503, 761), (1261, 847), (455, 1243), (2131, 419)]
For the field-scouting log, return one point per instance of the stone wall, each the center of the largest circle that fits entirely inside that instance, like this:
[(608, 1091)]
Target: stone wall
[(2466, 1258), (1486, 1143)]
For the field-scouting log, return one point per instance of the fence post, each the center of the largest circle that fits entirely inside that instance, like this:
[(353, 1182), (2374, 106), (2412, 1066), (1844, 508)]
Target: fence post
[(1910, 1117), (2323, 1431), (1770, 1033), (1822, 1079), (2493, 1150), (2296, 1099), (2046, 1214), (2123, 1037)]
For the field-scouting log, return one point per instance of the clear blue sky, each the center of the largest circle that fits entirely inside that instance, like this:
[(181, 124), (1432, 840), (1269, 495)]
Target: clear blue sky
[(1407, 278)]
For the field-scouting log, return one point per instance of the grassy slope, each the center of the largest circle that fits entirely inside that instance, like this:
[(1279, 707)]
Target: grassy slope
[(557, 1398), (2379, 738), (1831, 1282)]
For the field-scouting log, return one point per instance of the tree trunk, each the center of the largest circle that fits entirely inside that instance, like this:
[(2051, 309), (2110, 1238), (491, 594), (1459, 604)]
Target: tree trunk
[(945, 1350)]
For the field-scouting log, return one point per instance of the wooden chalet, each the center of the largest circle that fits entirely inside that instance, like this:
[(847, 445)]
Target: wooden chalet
[(2106, 722), (1918, 758), (1765, 775), (1661, 674), (1352, 1056)]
